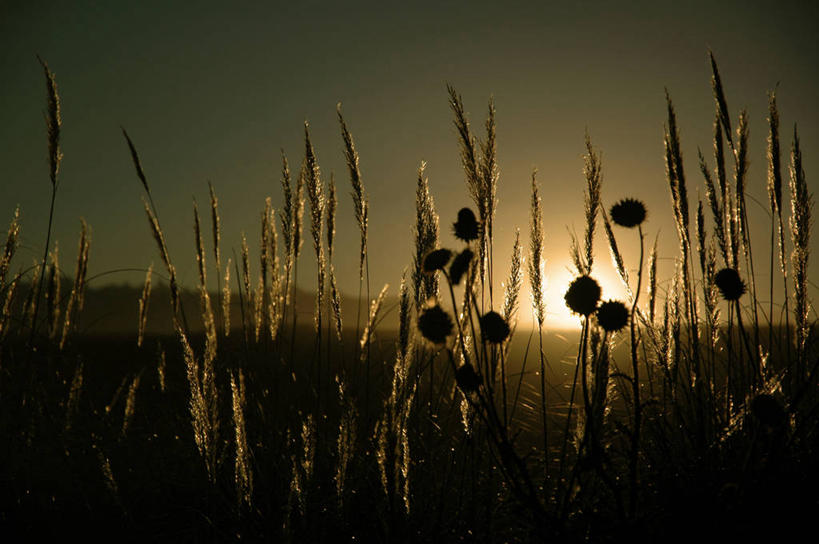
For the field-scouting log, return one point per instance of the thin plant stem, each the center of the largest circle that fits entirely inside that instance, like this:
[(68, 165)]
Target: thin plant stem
[(635, 384), (43, 266)]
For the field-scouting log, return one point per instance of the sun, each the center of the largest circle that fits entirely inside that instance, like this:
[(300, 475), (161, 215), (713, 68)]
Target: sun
[(557, 280)]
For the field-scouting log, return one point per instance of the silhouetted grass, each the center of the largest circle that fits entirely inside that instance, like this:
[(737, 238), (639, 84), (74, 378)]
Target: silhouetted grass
[(703, 417)]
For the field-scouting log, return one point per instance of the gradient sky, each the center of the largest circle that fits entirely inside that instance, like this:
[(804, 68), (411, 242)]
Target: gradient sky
[(212, 91)]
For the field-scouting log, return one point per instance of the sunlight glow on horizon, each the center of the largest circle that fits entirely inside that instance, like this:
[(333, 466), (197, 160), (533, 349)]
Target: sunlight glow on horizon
[(556, 282)]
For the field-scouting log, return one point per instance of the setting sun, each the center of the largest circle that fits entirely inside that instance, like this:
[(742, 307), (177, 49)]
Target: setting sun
[(556, 281)]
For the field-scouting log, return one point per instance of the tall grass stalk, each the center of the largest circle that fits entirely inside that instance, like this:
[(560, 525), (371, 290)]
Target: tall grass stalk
[(335, 295), (316, 199), (800, 223), (223, 320), (243, 471), (55, 156), (774, 187), (159, 236), (361, 209), (509, 312), (538, 306), (583, 259), (481, 173)]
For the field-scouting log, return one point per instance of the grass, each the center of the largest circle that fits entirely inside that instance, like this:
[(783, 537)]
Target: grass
[(688, 409)]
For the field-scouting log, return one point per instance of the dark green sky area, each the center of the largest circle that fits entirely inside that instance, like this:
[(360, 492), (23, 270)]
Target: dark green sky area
[(212, 90)]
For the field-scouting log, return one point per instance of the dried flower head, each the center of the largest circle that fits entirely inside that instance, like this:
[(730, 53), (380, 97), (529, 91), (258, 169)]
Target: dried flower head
[(494, 327), (729, 283), (460, 265), (467, 379), (436, 260), (629, 212), (466, 228), (435, 324), (612, 315), (583, 295)]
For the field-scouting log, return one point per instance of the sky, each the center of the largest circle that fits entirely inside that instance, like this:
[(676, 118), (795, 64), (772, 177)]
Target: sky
[(212, 91)]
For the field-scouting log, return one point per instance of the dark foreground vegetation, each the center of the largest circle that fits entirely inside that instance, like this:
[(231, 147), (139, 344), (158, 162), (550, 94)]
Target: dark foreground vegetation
[(686, 412)]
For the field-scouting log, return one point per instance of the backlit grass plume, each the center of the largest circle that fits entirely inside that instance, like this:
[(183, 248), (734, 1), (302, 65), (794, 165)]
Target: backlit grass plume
[(536, 253), (480, 168), (361, 203), (513, 283), (10, 247), (425, 286), (316, 199), (53, 120), (243, 471), (335, 295), (800, 223)]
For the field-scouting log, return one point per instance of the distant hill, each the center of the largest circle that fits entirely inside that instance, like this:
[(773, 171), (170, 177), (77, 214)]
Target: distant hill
[(114, 309)]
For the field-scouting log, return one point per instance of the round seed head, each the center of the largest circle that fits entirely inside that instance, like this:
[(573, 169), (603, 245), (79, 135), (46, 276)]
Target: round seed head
[(494, 328), (612, 315), (729, 284), (435, 324), (583, 295), (629, 213), (460, 265), (466, 228), (436, 260), (467, 379)]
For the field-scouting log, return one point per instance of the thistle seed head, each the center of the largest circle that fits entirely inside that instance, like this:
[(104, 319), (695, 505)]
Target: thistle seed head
[(583, 295), (466, 228), (612, 315), (460, 265), (494, 328), (729, 283), (435, 324), (467, 379), (436, 260), (628, 213)]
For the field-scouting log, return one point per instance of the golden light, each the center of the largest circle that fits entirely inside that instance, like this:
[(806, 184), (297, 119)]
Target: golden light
[(557, 280)]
